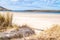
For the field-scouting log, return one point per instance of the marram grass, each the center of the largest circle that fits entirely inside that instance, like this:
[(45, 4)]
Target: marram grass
[(6, 21)]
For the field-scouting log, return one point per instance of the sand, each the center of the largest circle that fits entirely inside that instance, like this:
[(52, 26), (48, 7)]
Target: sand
[(35, 20)]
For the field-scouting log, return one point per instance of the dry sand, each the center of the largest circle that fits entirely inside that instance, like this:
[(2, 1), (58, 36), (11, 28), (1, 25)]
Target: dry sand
[(35, 20)]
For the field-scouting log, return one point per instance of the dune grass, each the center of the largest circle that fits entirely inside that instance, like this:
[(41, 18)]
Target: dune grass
[(50, 34), (5, 21)]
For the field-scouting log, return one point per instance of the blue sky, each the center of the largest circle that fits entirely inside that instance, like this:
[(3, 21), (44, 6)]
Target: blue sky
[(31, 4)]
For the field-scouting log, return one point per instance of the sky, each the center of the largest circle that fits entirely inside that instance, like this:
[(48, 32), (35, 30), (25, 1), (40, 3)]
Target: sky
[(31, 4)]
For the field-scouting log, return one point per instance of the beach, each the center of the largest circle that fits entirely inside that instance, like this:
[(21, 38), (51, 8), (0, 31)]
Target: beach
[(35, 20)]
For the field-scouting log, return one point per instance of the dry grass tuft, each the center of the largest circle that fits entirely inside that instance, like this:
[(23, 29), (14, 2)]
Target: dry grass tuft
[(51, 34), (5, 21)]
